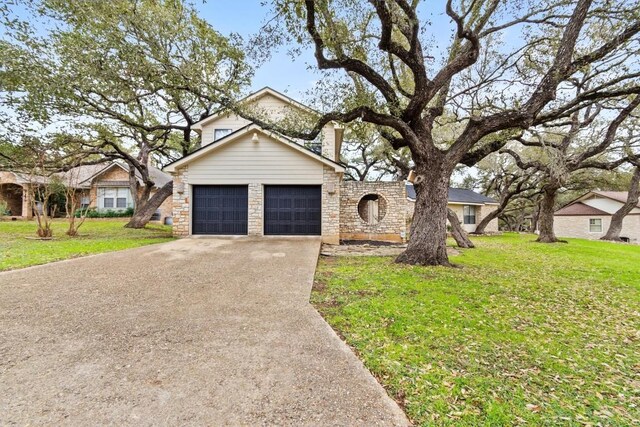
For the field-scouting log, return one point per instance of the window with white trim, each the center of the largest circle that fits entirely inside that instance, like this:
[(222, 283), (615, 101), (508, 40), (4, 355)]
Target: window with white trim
[(220, 133), (114, 198), (595, 225), (469, 214)]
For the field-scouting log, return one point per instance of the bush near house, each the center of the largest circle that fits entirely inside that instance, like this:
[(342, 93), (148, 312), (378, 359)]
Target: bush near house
[(18, 249), (523, 334), (109, 213)]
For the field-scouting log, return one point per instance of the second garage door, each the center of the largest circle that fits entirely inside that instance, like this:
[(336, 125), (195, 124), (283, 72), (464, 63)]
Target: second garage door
[(292, 210)]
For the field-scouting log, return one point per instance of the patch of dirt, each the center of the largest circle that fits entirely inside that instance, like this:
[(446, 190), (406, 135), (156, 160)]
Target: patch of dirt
[(369, 249), (319, 286)]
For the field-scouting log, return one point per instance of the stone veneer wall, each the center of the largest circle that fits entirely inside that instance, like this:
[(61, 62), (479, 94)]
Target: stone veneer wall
[(181, 202), (256, 210), (331, 215), (393, 227)]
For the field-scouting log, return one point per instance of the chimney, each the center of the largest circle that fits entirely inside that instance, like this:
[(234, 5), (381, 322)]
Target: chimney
[(329, 141)]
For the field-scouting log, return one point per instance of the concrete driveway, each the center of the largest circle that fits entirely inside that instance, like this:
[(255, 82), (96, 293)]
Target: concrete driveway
[(195, 331)]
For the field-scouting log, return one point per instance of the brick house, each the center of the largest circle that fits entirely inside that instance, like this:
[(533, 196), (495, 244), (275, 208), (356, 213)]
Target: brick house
[(589, 216), (103, 186), (245, 180)]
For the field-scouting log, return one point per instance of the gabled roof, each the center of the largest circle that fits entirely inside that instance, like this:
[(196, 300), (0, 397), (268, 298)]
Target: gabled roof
[(618, 196), (85, 174), (243, 131), (579, 208), (252, 97), (457, 195)]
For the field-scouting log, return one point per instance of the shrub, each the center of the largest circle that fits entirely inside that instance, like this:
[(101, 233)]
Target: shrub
[(4, 208), (109, 213)]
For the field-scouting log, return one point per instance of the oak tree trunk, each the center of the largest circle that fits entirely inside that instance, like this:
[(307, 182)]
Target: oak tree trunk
[(486, 220), (428, 237), (146, 208), (460, 236), (613, 233), (545, 216)]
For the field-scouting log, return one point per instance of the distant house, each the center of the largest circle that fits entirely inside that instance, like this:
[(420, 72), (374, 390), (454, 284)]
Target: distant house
[(589, 216), (469, 206), (103, 186)]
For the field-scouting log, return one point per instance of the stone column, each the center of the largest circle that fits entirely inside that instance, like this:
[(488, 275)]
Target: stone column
[(27, 211), (181, 203), (331, 206), (256, 209)]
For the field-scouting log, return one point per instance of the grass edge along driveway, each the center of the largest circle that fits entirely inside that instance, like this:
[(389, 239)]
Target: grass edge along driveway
[(96, 236), (523, 333)]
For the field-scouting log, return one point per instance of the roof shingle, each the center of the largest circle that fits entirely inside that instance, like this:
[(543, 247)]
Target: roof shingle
[(456, 195), (579, 208)]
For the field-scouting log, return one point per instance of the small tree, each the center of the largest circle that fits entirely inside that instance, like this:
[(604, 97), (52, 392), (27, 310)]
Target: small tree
[(41, 191), (75, 209), (502, 179)]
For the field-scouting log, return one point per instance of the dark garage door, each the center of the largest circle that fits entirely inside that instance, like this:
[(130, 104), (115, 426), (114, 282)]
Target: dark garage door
[(292, 210), (219, 209)]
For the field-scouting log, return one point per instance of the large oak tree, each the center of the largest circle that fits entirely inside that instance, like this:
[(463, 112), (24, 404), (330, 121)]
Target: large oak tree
[(485, 87)]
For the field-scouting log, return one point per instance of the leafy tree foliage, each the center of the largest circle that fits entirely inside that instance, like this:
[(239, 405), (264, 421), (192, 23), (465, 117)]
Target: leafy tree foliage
[(119, 80)]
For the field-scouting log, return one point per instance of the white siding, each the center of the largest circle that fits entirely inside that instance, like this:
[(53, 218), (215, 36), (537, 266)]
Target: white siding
[(245, 162), (268, 105), (230, 121), (604, 204)]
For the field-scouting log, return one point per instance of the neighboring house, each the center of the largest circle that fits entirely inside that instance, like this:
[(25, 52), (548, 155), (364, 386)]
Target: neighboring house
[(469, 206), (248, 181), (589, 216), (103, 186)]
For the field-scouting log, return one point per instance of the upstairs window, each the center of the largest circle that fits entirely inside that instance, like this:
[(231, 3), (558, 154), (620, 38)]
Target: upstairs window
[(220, 133), (469, 213), (595, 225)]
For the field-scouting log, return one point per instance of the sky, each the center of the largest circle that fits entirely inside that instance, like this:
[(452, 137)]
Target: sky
[(283, 73), (246, 17)]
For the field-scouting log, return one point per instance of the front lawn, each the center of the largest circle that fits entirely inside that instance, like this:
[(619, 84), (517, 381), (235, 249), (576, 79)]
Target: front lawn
[(96, 236), (523, 333)]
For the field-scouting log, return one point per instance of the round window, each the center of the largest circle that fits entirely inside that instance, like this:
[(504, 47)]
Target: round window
[(372, 208)]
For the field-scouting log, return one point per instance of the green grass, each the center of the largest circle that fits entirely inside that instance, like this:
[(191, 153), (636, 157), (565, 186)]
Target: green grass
[(523, 333), (96, 236)]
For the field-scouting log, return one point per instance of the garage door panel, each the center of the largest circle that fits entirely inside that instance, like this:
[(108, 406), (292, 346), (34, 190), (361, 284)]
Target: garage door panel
[(220, 209), (293, 210)]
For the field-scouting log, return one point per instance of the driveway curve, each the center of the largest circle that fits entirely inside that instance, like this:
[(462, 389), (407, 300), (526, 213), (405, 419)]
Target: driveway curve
[(196, 331)]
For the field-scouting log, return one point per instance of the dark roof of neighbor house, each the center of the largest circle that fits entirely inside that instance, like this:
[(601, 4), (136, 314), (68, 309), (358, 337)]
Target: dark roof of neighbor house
[(579, 208), (456, 195)]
